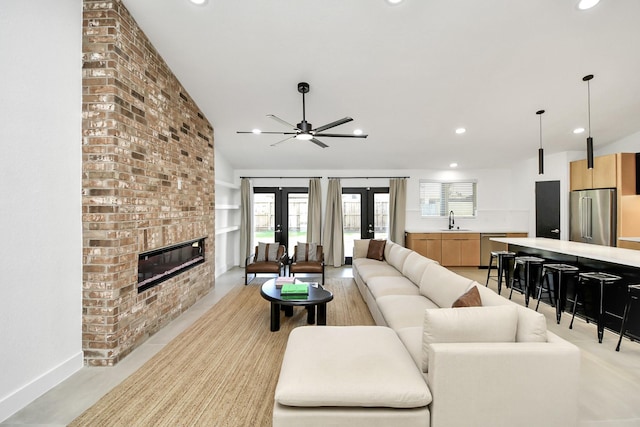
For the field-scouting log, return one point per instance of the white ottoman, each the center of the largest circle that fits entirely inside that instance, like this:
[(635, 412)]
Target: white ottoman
[(349, 376)]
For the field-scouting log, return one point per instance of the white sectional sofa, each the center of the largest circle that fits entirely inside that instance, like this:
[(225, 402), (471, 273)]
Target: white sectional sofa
[(494, 365)]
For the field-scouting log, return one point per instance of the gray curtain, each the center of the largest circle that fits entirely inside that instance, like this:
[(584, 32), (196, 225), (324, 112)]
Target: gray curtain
[(333, 242), (314, 211), (246, 220), (397, 209)]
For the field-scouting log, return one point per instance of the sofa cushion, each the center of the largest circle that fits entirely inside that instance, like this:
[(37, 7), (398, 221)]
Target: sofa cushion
[(361, 366), (471, 298), (532, 326), (376, 249), (388, 247), (308, 252), (380, 286), (397, 256), (468, 324), (360, 248), (371, 268), (411, 337), (443, 286), (414, 266), (403, 311)]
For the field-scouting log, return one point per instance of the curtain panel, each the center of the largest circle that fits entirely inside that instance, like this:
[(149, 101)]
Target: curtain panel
[(246, 220), (333, 241), (314, 214), (397, 209)]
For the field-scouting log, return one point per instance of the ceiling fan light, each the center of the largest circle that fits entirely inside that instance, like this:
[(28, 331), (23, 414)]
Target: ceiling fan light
[(357, 132), (578, 130), (256, 131), (587, 4), (304, 136)]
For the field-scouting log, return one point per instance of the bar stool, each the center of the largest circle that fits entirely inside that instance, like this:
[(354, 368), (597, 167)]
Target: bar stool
[(501, 258), (633, 297), (563, 272), (601, 278), (525, 263)]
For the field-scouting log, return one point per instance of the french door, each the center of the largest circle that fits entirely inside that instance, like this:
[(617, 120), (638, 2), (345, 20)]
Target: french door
[(280, 215), (365, 215)]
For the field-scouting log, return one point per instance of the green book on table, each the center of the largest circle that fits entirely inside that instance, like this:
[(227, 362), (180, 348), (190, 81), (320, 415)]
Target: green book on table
[(294, 289)]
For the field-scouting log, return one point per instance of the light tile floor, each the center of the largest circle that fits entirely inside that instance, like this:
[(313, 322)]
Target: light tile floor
[(610, 380)]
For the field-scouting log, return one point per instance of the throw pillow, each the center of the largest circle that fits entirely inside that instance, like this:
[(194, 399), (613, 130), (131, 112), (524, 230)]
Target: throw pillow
[(307, 252), (468, 325), (471, 298), (376, 249), (360, 248), (267, 252)]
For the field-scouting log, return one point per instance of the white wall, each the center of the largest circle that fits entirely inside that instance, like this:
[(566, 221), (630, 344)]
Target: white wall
[(40, 210)]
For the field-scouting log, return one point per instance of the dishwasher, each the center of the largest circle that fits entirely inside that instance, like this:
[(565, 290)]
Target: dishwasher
[(486, 246)]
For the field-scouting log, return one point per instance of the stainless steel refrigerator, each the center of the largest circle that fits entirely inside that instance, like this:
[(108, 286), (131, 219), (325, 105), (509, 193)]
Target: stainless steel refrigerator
[(592, 216)]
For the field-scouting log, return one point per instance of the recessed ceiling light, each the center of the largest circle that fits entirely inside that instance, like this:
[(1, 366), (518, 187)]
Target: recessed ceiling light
[(394, 2), (578, 130), (460, 131), (257, 131), (357, 132), (587, 4), (453, 165), (198, 2)]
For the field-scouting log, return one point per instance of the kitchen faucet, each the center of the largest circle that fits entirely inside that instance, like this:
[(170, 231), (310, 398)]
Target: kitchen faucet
[(451, 220)]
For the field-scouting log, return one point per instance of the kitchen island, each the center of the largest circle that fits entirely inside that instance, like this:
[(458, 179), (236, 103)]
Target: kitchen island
[(590, 258)]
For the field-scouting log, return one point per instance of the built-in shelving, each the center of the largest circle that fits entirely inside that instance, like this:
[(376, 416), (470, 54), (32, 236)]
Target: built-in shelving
[(227, 207), (228, 229)]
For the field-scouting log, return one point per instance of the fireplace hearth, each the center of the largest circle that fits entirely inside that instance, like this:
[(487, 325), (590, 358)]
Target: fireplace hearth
[(156, 266)]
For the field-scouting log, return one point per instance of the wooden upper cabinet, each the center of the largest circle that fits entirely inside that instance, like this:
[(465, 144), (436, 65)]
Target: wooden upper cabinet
[(581, 178), (604, 171), (603, 175)]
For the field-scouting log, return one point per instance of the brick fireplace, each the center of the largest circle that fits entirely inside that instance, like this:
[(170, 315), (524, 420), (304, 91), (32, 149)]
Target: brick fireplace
[(148, 183)]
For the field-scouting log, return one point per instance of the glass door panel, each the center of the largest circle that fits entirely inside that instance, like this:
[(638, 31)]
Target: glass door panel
[(264, 217), (297, 220), (381, 216), (351, 220)]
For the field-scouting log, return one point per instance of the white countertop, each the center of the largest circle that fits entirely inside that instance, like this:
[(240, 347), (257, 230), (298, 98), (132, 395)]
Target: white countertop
[(630, 239), (466, 230), (621, 256)]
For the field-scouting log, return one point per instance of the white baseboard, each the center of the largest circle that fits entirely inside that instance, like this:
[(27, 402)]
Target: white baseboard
[(21, 397)]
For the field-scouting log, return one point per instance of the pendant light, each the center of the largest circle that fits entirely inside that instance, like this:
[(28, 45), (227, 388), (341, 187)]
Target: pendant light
[(540, 150), (589, 139)]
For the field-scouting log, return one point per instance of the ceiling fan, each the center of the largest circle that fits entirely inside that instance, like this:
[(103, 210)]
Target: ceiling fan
[(304, 130)]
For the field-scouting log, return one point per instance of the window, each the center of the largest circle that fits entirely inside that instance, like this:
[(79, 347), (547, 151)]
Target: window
[(437, 198)]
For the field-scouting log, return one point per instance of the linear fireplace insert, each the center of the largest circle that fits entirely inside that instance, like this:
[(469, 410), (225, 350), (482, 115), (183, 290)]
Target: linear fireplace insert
[(156, 266)]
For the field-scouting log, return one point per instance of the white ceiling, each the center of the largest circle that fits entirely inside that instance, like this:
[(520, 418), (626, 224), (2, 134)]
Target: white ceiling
[(408, 74)]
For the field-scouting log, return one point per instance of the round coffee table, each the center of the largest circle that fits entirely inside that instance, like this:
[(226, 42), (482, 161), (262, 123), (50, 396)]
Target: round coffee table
[(318, 297)]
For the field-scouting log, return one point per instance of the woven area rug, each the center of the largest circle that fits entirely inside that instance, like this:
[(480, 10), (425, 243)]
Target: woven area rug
[(221, 371)]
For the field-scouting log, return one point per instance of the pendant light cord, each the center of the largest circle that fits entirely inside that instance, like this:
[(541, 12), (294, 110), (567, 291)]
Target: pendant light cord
[(589, 104), (540, 130)]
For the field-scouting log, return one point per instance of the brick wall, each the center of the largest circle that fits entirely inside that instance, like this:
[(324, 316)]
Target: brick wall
[(148, 182)]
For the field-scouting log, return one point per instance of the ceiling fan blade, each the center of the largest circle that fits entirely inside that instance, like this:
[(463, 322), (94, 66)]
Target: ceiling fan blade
[(318, 143), (279, 120), (280, 142), (269, 133), (341, 135), (333, 124)]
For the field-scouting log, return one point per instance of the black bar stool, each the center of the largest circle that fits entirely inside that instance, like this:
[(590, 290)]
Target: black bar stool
[(602, 279), (503, 259), (633, 297), (525, 263), (563, 273)]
